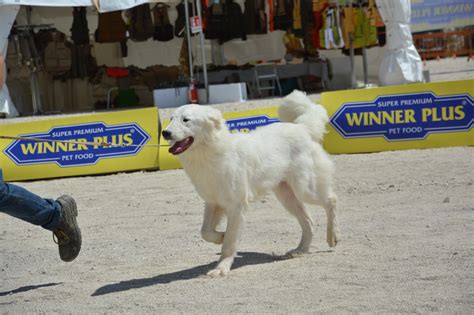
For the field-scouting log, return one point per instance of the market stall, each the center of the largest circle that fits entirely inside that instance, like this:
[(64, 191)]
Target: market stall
[(165, 57), (27, 42)]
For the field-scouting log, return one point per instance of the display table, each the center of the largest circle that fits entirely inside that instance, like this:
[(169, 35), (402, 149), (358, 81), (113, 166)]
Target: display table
[(284, 71), (218, 93)]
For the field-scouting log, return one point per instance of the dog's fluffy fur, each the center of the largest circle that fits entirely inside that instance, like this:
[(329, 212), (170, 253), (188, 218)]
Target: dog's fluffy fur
[(228, 170)]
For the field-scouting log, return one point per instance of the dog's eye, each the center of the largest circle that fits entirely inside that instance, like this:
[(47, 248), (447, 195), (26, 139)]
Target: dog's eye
[(185, 119)]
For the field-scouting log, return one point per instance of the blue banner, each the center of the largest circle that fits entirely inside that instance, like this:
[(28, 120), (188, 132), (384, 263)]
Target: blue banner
[(429, 15), (249, 123), (126, 138), (405, 116)]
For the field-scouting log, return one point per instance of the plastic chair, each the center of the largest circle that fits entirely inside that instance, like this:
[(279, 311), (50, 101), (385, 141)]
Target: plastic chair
[(121, 74)]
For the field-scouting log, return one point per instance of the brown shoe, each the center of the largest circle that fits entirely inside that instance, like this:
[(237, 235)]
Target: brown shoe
[(68, 233)]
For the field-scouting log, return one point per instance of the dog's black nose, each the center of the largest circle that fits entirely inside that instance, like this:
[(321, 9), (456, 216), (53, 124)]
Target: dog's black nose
[(166, 134)]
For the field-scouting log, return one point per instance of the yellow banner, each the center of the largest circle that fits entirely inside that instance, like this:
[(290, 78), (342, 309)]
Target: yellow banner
[(415, 116), (133, 134)]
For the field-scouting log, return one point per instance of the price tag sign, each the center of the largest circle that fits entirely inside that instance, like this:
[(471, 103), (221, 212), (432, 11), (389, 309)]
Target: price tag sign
[(196, 25)]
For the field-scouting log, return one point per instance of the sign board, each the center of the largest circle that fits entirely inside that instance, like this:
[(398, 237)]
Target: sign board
[(415, 116), (195, 24), (428, 15), (75, 147)]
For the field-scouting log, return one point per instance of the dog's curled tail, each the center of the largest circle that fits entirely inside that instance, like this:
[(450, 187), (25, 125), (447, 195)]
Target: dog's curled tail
[(297, 108)]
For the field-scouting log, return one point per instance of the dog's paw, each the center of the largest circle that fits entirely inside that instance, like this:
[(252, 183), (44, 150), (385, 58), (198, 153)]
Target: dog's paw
[(223, 268), (333, 237), (218, 272)]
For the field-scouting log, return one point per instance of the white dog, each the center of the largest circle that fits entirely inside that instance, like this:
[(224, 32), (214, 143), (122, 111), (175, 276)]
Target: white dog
[(230, 169)]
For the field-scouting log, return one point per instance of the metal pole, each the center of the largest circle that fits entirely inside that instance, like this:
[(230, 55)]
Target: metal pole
[(351, 50), (203, 52), (35, 94), (364, 59), (188, 36)]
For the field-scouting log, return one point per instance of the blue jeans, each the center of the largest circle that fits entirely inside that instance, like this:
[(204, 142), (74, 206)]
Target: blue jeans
[(25, 205)]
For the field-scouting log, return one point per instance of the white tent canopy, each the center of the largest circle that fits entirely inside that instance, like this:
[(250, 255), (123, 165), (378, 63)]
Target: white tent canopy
[(401, 63), (7, 17), (101, 5)]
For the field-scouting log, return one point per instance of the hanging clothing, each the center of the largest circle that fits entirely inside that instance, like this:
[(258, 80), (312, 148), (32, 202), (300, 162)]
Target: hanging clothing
[(180, 23), (282, 20), (111, 28), (234, 18), (83, 64), (374, 15), (318, 23), (80, 28), (57, 52), (216, 21), (331, 35), (141, 24), (184, 57), (163, 30), (225, 22), (255, 17), (271, 26), (296, 13), (306, 17), (357, 22)]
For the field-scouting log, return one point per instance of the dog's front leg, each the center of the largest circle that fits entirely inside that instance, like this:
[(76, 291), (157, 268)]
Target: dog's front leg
[(212, 217), (235, 222)]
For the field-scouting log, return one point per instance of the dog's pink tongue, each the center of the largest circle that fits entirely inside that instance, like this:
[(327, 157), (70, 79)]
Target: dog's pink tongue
[(181, 146)]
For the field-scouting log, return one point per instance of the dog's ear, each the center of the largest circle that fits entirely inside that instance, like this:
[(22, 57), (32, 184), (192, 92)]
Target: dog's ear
[(215, 117)]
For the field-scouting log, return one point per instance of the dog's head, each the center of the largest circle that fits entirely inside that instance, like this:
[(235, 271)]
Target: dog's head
[(192, 125)]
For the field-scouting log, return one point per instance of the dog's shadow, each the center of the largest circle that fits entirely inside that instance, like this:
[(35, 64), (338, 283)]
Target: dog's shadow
[(242, 259)]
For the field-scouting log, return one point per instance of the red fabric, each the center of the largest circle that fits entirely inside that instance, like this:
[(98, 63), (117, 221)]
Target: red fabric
[(317, 25), (272, 18), (116, 72)]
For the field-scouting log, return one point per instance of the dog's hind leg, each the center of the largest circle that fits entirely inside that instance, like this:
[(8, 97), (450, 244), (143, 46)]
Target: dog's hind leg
[(212, 216), (333, 232), (235, 221), (328, 199), (322, 194), (287, 197)]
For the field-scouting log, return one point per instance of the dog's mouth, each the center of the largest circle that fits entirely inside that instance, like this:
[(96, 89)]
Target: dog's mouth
[(181, 146)]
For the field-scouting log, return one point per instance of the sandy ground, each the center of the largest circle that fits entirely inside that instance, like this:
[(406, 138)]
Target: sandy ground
[(407, 219)]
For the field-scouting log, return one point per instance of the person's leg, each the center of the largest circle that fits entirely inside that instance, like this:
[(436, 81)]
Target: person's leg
[(58, 215), (25, 205)]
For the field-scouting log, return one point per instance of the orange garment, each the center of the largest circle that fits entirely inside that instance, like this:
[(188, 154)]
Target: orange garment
[(320, 5), (374, 15), (297, 15)]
